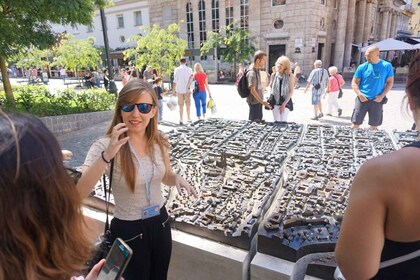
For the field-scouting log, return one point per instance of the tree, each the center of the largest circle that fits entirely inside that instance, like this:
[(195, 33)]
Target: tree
[(236, 44), (73, 53), (32, 57), (26, 25), (159, 48)]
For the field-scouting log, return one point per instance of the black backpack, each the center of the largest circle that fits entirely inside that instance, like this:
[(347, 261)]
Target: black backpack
[(243, 88), (196, 87)]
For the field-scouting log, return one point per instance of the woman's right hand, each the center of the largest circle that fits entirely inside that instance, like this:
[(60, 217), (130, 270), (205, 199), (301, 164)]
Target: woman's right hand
[(116, 143)]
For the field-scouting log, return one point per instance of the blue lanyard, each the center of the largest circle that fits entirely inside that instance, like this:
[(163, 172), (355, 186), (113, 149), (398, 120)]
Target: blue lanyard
[(147, 183)]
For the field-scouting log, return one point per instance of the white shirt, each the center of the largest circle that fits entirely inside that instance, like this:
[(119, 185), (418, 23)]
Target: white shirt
[(62, 72), (182, 75)]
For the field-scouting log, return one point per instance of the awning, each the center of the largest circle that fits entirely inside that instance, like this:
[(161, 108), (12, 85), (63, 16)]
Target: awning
[(390, 44)]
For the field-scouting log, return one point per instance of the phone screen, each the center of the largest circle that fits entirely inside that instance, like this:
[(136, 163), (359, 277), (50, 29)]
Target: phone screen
[(116, 261)]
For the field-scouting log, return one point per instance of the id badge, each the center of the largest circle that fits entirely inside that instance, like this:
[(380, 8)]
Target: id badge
[(151, 211)]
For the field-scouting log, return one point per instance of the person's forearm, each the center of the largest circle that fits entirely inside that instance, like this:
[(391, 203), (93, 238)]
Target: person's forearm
[(169, 179), (173, 87), (388, 87), (90, 176), (356, 88)]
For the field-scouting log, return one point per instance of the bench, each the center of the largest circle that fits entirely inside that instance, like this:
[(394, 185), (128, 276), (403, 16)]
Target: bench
[(22, 81)]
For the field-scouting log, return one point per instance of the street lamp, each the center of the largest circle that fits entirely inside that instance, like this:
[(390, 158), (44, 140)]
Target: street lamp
[(111, 87)]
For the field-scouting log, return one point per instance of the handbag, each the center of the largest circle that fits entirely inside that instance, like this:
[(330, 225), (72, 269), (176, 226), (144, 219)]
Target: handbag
[(210, 103), (104, 242), (340, 92)]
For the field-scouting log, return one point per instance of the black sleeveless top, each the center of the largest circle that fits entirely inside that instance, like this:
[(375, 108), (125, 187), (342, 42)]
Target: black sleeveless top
[(406, 270)]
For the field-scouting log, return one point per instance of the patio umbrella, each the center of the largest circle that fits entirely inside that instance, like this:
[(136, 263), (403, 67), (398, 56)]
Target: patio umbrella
[(390, 45)]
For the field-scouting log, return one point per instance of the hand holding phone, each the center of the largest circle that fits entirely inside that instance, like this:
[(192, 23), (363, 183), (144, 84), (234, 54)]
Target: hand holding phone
[(116, 261)]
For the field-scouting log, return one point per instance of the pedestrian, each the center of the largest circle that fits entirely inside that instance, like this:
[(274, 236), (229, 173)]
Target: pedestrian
[(319, 81), (106, 78), (34, 75), (384, 207), (141, 164), (97, 77), (335, 82), (256, 100), (282, 89), (148, 73), (183, 76), (41, 221), (157, 86), (63, 74), (371, 82), (200, 98), (297, 73), (124, 77)]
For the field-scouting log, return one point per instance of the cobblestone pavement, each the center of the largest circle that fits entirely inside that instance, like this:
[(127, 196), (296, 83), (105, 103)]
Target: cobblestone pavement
[(231, 106)]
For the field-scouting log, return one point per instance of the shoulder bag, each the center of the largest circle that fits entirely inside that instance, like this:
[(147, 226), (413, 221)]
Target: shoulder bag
[(340, 92), (104, 242)]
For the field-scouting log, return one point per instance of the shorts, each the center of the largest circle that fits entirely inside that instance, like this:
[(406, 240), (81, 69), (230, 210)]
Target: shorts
[(374, 109), (184, 98), (316, 98)]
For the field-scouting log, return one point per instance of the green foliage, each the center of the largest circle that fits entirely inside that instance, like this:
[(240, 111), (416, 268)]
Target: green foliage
[(73, 53), (25, 24), (39, 101), (159, 48), (33, 57), (237, 43)]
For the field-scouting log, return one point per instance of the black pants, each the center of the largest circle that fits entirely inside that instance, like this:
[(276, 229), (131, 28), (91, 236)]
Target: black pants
[(152, 247), (255, 112)]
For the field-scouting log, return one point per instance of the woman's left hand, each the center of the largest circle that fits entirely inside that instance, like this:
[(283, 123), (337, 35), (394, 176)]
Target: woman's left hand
[(93, 274), (182, 183), (282, 107)]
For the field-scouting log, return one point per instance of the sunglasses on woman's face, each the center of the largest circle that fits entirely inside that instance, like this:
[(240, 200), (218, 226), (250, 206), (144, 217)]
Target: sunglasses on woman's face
[(143, 108)]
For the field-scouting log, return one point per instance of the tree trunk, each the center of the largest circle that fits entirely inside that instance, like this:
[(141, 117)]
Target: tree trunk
[(234, 69), (6, 81)]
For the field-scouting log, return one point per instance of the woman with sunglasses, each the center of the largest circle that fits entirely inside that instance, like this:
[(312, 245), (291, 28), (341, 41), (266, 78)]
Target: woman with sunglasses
[(141, 165)]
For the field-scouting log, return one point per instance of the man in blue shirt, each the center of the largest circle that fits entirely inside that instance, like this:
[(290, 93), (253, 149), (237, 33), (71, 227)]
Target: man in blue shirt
[(371, 82)]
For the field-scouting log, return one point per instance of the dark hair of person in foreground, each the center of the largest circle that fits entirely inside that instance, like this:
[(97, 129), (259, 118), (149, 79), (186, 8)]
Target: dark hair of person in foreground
[(41, 224)]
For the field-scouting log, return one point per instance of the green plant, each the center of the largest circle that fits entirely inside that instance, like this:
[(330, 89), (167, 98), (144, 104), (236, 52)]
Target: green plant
[(39, 101)]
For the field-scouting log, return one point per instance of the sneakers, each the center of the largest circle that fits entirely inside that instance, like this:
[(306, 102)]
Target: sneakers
[(315, 118), (181, 123), (329, 115), (340, 112), (320, 115)]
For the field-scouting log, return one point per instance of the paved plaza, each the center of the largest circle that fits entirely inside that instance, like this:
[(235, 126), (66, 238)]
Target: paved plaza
[(231, 106)]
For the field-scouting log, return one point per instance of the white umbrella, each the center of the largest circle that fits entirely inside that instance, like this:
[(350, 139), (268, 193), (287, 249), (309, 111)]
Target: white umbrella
[(416, 46), (390, 45)]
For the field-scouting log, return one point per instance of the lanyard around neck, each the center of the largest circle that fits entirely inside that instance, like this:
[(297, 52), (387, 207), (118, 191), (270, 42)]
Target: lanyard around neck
[(147, 182)]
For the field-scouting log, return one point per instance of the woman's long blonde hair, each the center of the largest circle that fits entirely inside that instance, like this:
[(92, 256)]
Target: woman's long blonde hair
[(41, 224), (128, 94)]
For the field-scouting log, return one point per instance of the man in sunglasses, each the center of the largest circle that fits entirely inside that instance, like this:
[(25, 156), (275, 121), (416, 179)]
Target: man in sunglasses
[(182, 79)]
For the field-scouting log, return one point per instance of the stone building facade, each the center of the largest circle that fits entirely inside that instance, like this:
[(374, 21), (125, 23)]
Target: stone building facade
[(304, 30)]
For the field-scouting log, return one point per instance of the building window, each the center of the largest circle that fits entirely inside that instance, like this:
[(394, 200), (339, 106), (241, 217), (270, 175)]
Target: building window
[(202, 23), (335, 4), (322, 24), (120, 21), (278, 24), (323, 2), (244, 14), (229, 12), (138, 21), (215, 15), (89, 29), (190, 26), (278, 2)]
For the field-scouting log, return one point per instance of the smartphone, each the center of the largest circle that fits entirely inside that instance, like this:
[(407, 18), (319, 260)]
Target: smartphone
[(116, 261)]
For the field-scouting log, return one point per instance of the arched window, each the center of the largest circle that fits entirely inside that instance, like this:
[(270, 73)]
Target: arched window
[(202, 21), (229, 12), (190, 26), (244, 14), (215, 15)]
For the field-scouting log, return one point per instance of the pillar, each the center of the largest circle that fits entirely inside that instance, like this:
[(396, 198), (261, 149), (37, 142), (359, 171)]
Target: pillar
[(384, 25), (360, 26), (340, 34), (367, 23), (349, 32)]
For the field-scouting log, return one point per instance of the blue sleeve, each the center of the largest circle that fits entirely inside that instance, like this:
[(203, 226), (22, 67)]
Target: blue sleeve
[(390, 71), (358, 73)]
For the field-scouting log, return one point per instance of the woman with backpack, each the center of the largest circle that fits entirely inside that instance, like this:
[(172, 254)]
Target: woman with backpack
[(200, 96)]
